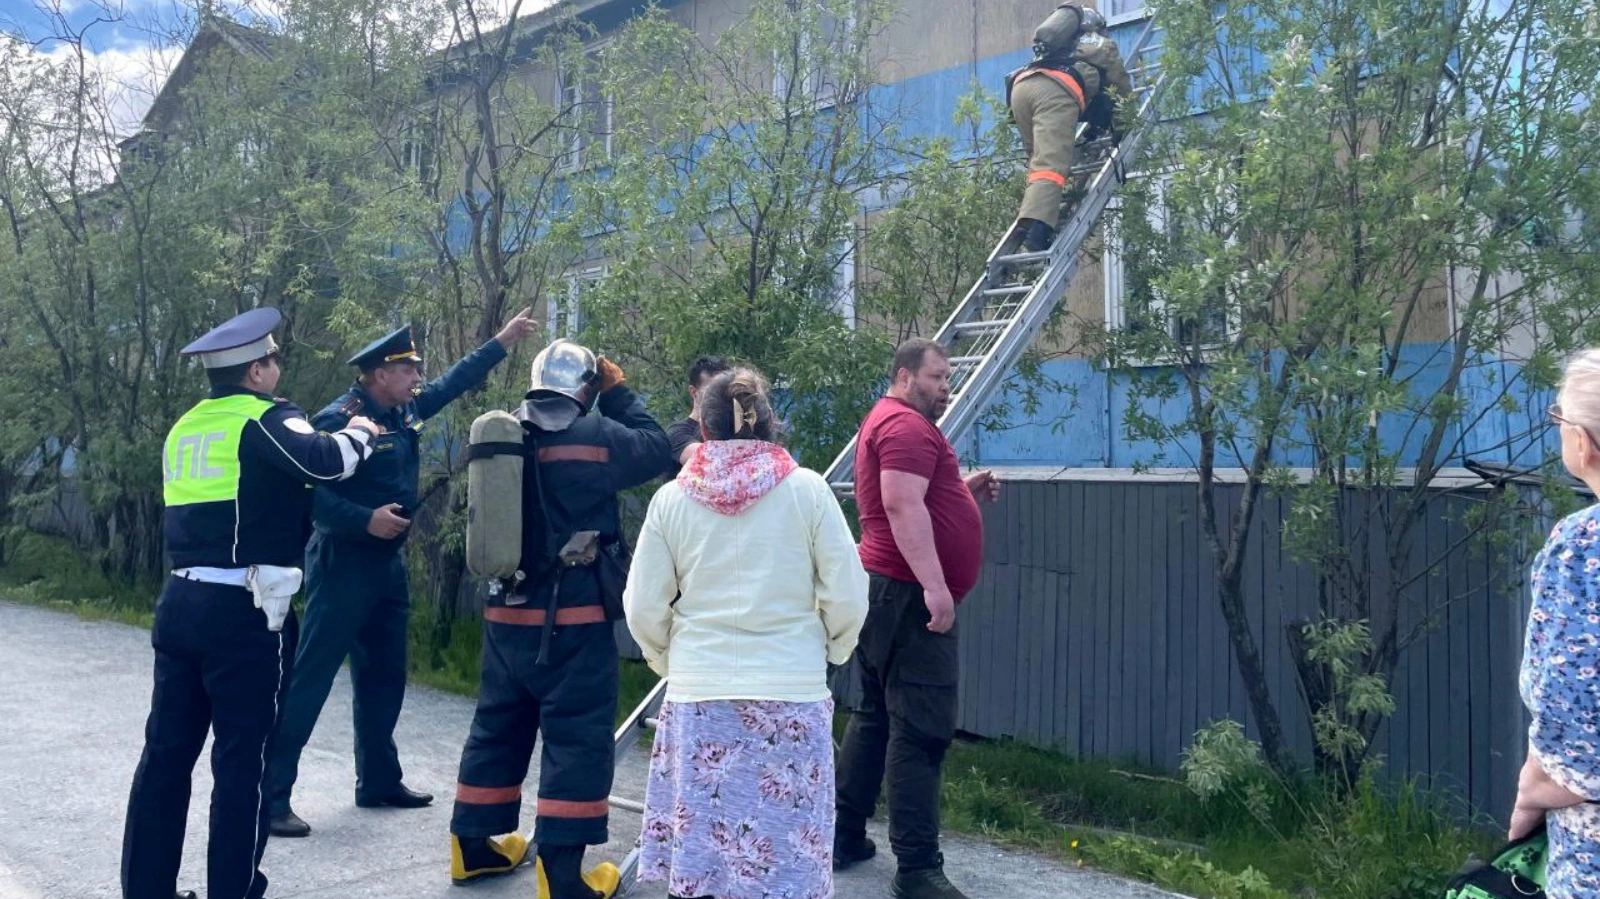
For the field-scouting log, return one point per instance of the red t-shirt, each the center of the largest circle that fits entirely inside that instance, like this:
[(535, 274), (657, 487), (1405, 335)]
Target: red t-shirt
[(896, 437)]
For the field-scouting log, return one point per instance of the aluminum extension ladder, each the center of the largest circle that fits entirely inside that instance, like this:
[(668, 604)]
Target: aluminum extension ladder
[(986, 334), (991, 328)]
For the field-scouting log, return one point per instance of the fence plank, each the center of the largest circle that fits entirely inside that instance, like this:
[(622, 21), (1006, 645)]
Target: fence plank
[(1104, 559)]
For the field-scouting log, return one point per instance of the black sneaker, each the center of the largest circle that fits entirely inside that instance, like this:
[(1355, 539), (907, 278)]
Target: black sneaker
[(849, 852), (924, 883)]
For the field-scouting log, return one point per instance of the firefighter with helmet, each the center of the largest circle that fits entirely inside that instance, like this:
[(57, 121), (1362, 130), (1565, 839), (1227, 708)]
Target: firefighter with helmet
[(549, 649), (1076, 75)]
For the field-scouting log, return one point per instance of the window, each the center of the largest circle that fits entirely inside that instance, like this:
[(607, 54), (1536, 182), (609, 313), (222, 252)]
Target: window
[(589, 114), (564, 312), (416, 149), (250, 151), (844, 283), (1122, 9), (814, 74), (1132, 302)]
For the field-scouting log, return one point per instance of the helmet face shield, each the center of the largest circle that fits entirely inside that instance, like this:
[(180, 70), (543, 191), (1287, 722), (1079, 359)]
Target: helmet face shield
[(564, 368), (1093, 21)]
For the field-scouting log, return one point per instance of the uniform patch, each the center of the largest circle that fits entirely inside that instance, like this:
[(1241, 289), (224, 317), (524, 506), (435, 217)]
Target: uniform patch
[(299, 426)]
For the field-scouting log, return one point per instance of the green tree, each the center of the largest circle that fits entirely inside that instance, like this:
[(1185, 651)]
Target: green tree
[(729, 212), (1383, 201)]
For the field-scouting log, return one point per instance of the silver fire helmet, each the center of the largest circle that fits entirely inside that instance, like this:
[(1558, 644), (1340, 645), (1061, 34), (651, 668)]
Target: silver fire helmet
[(565, 368)]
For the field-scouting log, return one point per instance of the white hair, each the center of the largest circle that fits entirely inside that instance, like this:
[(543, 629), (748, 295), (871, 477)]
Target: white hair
[(1580, 390)]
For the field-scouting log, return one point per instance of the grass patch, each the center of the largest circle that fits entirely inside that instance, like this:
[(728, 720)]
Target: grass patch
[(1375, 844), (1306, 842), (48, 571)]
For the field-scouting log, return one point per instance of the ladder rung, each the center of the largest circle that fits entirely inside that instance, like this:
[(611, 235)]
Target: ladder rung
[(998, 324), (627, 805), (966, 360), (1023, 258), (1007, 291), (652, 723)]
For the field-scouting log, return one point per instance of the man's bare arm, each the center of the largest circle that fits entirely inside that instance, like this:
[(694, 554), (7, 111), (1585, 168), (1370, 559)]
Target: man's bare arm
[(905, 503)]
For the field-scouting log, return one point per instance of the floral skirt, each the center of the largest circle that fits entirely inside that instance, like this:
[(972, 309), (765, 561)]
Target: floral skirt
[(1572, 869), (740, 800)]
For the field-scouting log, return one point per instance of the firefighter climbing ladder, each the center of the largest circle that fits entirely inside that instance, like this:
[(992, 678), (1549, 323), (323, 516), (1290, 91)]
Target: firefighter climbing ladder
[(988, 332)]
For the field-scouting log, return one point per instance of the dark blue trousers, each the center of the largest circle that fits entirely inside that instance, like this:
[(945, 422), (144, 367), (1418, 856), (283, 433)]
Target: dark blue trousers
[(358, 605), (570, 702), (217, 668)]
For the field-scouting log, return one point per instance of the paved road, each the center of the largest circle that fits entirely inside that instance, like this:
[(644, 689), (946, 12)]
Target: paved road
[(73, 699)]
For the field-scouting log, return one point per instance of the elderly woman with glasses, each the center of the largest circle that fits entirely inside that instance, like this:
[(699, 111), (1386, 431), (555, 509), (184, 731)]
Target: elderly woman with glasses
[(1560, 679)]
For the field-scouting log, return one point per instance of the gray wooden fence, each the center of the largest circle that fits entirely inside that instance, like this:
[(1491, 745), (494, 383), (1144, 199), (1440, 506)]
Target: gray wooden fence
[(1096, 630)]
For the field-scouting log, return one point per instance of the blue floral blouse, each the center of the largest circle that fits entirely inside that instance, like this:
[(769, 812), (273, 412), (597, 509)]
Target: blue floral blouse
[(1560, 685)]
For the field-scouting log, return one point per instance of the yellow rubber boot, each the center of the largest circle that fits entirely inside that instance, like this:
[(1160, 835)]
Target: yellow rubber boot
[(510, 850), (604, 877)]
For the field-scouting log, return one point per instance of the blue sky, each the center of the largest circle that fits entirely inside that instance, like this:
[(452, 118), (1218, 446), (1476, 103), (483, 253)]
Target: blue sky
[(105, 25)]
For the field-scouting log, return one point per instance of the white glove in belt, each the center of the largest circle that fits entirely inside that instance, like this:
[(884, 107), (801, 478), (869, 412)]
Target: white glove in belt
[(274, 587)]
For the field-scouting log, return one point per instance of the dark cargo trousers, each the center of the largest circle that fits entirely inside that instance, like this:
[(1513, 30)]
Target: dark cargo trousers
[(904, 725)]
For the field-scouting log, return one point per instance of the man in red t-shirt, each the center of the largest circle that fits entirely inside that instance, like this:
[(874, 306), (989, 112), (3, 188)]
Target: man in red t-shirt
[(922, 544)]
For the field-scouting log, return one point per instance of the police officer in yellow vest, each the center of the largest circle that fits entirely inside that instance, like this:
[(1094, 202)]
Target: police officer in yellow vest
[(237, 469), (1074, 65)]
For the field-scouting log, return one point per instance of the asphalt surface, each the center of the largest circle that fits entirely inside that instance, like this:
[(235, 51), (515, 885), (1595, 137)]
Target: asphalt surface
[(73, 699)]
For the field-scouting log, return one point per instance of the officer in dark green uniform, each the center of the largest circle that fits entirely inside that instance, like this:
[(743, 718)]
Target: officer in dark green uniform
[(235, 474), (358, 601)]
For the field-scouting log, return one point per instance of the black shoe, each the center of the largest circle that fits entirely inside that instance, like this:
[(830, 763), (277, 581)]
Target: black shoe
[(924, 883), (399, 797), (851, 851), (1040, 237), (186, 894), (289, 825)]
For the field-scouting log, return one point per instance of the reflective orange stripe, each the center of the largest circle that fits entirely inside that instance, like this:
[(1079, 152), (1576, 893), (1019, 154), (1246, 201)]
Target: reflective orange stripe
[(487, 795), (566, 808), (535, 617), (1065, 80), (1045, 175), (575, 453)]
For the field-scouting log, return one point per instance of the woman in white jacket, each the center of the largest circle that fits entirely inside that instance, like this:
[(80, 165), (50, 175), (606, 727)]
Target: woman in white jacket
[(745, 586)]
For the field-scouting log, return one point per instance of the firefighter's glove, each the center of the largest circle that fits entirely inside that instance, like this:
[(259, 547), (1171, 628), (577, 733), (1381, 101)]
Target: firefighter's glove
[(610, 374)]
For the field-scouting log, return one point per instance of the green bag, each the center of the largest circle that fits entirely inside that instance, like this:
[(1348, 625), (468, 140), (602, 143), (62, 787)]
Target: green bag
[(1515, 872)]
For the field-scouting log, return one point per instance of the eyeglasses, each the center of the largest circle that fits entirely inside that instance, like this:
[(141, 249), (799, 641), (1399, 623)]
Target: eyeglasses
[(1555, 415)]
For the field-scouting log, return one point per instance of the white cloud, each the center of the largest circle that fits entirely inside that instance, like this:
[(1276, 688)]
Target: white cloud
[(137, 53), (128, 78)]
